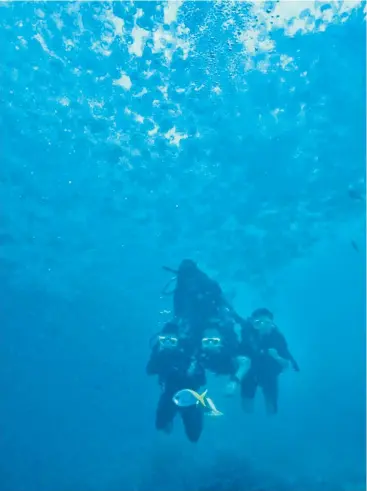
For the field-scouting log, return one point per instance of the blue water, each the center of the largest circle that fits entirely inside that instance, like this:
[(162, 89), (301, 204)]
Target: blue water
[(133, 135)]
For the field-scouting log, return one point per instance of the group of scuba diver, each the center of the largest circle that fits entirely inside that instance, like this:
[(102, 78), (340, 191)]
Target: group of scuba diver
[(207, 335)]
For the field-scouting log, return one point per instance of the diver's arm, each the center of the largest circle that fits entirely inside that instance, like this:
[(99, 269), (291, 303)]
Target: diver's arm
[(197, 371), (201, 376), (152, 367), (216, 290), (283, 362), (222, 302), (237, 318), (282, 354), (244, 365)]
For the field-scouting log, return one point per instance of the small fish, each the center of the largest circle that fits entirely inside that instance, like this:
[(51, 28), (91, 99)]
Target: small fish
[(354, 245), (189, 397), (355, 193)]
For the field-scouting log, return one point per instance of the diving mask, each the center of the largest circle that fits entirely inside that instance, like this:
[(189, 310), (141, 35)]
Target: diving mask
[(208, 343), (168, 341), (263, 323)]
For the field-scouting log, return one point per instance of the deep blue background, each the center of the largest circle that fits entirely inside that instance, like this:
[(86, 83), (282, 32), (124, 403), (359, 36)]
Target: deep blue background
[(92, 206)]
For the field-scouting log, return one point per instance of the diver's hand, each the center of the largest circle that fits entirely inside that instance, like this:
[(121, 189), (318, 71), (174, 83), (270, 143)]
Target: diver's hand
[(282, 361), (273, 353), (192, 368), (231, 388)]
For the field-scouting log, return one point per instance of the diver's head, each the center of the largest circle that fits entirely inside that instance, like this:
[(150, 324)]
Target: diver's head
[(262, 320), (211, 341), (168, 339), (187, 270), (187, 266)]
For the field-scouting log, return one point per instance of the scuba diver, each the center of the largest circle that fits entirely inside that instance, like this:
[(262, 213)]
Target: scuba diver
[(176, 369), (198, 301), (266, 349), (219, 354)]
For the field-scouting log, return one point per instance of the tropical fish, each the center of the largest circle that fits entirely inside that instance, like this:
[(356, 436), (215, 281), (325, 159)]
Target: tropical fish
[(189, 397)]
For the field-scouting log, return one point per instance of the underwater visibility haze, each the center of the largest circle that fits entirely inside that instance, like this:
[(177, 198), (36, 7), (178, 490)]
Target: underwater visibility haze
[(134, 135)]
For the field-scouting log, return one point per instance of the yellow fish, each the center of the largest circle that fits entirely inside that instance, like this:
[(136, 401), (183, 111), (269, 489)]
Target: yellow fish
[(189, 397)]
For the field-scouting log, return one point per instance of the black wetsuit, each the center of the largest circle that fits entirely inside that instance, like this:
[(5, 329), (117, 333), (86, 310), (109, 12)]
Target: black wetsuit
[(264, 369), (171, 368), (197, 300), (223, 362)]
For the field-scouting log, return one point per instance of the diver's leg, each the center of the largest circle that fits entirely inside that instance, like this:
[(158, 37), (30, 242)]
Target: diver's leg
[(193, 420), (248, 391), (270, 391), (166, 411)]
